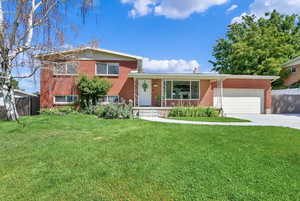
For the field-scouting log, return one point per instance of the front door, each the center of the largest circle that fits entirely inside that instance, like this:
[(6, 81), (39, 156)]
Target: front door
[(145, 92)]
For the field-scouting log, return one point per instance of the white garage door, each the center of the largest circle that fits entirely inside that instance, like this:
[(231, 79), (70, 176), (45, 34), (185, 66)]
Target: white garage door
[(240, 101)]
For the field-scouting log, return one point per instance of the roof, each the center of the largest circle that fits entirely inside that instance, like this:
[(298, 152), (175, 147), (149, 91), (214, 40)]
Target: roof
[(292, 62), (24, 93), (100, 50), (207, 76), (286, 92)]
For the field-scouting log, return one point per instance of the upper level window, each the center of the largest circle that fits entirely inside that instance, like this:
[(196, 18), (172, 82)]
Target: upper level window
[(293, 69), (65, 69), (181, 90), (107, 69)]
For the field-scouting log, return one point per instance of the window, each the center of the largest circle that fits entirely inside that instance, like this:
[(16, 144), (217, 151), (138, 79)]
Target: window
[(181, 89), (65, 69), (293, 69), (65, 99), (107, 69), (111, 99)]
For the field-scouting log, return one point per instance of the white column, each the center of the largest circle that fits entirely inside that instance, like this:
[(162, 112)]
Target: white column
[(134, 91)]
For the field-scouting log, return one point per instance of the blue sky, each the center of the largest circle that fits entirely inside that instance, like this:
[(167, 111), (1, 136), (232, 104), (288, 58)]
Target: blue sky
[(173, 35), (159, 37)]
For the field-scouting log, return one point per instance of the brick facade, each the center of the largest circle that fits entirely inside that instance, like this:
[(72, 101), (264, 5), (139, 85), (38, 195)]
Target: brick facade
[(206, 92), (52, 85), (293, 77)]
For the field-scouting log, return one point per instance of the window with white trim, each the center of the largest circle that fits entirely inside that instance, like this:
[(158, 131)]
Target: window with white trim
[(111, 99), (293, 69), (65, 69), (68, 99), (107, 69), (181, 89)]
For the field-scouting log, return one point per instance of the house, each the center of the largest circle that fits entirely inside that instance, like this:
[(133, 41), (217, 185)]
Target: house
[(18, 94), (294, 66), (233, 93), (27, 104)]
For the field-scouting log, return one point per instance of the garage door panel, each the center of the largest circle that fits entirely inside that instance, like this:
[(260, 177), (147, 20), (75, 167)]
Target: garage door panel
[(241, 100)]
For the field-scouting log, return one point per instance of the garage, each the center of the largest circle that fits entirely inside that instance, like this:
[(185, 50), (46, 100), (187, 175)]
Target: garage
[(240, 101)]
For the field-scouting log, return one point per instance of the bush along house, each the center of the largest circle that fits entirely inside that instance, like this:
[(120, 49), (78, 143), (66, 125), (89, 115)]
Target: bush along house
[(232, 93)]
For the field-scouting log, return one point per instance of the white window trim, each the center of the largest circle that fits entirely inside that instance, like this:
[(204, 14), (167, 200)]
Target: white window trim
[(107, 75), (190, 90), (67, 74), (64, 103), (111, 95)]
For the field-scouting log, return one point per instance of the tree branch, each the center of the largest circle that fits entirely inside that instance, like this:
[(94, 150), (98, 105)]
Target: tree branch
[(26, 76), (1, 27), (12, 39), (30, 26)]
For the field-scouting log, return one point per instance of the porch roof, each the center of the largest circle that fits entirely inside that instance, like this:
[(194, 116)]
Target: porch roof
[(197, 76)]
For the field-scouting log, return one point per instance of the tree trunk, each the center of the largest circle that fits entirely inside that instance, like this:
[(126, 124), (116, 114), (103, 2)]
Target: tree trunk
[(9, 99)]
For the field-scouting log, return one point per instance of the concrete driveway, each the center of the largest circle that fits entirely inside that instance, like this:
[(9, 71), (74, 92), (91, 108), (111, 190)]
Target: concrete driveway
[(284, 120), (291, 120)]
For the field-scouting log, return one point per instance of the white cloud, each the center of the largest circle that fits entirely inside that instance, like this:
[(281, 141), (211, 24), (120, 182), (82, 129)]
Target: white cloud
[(231, 8), (260, 7), (175, 9), (169, 66), (238, 19), (140, 7)]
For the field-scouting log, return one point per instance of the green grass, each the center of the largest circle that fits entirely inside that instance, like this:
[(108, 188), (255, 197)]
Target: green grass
[(210, 119), (81, 158)]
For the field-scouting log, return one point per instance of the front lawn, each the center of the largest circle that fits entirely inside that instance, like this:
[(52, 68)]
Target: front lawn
[(210, 119), (81, 158)]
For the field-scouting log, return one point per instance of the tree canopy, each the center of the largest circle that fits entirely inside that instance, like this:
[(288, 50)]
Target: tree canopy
[(258, 46)]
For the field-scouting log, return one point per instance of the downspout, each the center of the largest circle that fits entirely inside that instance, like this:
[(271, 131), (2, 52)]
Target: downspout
[(221, 99)]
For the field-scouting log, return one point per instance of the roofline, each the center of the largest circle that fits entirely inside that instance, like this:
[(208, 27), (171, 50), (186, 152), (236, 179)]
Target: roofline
[(25, 93), (207, 76), (40, 56), (290, 62)]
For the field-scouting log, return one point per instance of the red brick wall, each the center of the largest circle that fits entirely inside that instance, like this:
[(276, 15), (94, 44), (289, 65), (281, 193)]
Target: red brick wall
[(293, 77), (66, 85)]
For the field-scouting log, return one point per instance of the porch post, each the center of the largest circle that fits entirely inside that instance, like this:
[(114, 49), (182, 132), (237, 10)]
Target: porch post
[(134, 91)]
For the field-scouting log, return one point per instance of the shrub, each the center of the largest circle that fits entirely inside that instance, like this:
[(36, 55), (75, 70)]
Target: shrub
[(110, 111), (59, 110), (194, 112), (92, 89)]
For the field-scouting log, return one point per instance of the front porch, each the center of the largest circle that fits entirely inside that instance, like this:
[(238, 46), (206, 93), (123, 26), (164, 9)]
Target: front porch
[(166, 91)]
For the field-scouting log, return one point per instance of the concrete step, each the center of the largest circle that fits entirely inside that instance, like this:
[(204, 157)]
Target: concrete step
[(148, 113)]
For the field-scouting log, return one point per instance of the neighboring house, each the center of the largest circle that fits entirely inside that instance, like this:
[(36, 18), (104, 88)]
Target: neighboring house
[(233, 93), (294, 66), (27, 104), (18, 94)]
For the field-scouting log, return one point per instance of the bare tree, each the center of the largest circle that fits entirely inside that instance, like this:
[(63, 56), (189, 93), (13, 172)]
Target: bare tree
[(29, 27)]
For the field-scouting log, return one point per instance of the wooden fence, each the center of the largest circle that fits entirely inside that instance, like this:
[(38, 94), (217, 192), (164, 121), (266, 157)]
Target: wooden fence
[(26, 106)]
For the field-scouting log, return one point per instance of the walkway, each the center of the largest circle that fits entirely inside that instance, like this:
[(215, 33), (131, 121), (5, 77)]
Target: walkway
[(290, 121)]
